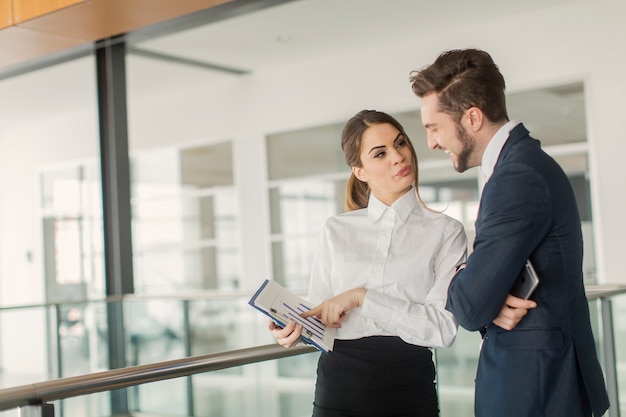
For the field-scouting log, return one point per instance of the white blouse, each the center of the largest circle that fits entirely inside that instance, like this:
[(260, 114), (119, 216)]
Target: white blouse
[(405, 256)]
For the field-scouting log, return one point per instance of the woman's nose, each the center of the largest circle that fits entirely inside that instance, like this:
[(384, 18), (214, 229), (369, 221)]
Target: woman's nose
[(398, 156)]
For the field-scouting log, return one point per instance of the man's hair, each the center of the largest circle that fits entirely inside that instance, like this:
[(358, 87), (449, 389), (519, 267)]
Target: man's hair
[(463, 78)]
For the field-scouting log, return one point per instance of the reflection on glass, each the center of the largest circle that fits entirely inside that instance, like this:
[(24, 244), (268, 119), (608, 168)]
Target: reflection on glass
[(185, 220), (299, 210), (72, 231), (155, 330), (207, 166), (292, 260), (458, 199), (160, 329), (206, 268), (60, 189), (304, 206), (619, 326), (302, 153)]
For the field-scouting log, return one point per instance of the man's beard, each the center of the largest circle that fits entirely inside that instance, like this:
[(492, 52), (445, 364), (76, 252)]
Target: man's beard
[(469, 144)]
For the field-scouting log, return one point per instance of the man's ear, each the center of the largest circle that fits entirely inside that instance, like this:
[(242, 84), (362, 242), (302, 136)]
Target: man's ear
[(473, 119), (359, 173)]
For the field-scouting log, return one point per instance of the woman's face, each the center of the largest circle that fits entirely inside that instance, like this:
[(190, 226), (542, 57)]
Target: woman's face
[(387, 162)]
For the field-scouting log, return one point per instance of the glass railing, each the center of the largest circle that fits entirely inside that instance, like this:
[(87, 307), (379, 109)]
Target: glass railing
[(43, 343)]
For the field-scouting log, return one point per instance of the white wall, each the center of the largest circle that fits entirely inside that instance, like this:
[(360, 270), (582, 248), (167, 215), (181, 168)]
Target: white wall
[(29, 140), (579, 41)]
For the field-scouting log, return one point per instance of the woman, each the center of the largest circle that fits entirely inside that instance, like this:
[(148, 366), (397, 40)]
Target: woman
[(381, 276)]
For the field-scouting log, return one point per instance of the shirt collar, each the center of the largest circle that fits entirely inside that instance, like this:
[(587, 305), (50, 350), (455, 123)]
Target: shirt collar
[(403, 206), (495, 145)]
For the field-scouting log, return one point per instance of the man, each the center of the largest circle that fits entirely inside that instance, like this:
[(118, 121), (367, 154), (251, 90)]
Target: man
[(538, 356)]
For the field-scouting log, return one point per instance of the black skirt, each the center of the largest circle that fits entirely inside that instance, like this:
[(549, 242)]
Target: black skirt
[(378, 376)]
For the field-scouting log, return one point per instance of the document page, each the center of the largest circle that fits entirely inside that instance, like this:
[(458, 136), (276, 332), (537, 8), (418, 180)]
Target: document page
[(284, 307)]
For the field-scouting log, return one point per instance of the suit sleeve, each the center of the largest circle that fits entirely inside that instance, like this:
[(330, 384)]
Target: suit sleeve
[(515, 215)]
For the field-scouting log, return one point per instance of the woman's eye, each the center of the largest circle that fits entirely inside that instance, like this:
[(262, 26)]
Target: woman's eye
[(379, 154)]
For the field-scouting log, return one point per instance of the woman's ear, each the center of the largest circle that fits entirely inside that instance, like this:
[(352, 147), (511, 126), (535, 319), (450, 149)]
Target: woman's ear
[(359, 173)]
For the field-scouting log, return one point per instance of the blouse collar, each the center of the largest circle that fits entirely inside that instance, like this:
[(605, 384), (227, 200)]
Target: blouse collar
[(403, 206)]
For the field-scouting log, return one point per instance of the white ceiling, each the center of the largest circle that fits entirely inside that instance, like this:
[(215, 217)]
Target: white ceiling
[(297, 31), (304, 29)]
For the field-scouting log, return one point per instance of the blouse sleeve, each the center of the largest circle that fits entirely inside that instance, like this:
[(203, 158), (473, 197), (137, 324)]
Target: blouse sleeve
[(320, 287), (428, 324)]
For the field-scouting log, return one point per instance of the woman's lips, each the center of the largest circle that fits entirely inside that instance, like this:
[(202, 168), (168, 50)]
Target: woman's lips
[(403, 172)]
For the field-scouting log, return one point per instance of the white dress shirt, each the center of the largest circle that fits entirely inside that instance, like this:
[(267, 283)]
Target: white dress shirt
[(405, 256), (494, 147)]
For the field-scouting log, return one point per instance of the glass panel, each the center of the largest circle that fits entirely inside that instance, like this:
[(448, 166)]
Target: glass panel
[(98, 404), (60, 189), (291, 260), (305, 152), (619, 329), (82, 345), (277, 388), (167, 270), (48, 134), (299, 210), (304, 206), (185, 220), (554, 115), (618, 312), (456, 371), (158, 328), (207, 166), (75, 344), (29, 363), (73, 232), (161, 398), (458, 199), (156, 331)]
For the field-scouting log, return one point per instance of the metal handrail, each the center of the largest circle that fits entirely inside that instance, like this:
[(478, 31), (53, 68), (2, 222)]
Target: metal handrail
[(195, 295), (604, 290), (47, 391), (44, 392), (592, 291)]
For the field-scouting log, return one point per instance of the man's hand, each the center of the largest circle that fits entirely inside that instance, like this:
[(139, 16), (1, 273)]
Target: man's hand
[(512, 312), (333, 311), (287, 336)]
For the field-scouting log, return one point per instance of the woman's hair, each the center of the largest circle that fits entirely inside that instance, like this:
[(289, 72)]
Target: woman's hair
[(463, 78), (357, 191)]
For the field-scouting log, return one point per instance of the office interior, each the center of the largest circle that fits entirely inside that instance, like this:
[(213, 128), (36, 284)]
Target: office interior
[(231, 119)]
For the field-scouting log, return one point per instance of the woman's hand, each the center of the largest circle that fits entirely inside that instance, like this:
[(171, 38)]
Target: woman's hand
[(333, 311), (286, 336)]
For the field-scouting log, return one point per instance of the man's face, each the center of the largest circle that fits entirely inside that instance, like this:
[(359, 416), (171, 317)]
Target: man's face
[(444, 133)]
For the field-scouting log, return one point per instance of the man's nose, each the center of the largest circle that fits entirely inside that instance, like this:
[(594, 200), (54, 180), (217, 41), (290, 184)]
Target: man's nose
[(432, 143)]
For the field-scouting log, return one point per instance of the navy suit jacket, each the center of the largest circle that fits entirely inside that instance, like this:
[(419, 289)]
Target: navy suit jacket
[(548, 364)]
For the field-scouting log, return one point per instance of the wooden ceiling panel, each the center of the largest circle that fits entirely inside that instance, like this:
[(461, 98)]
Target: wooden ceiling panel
[(99, 19), (6, 13), (29, 9), (85, 23)]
